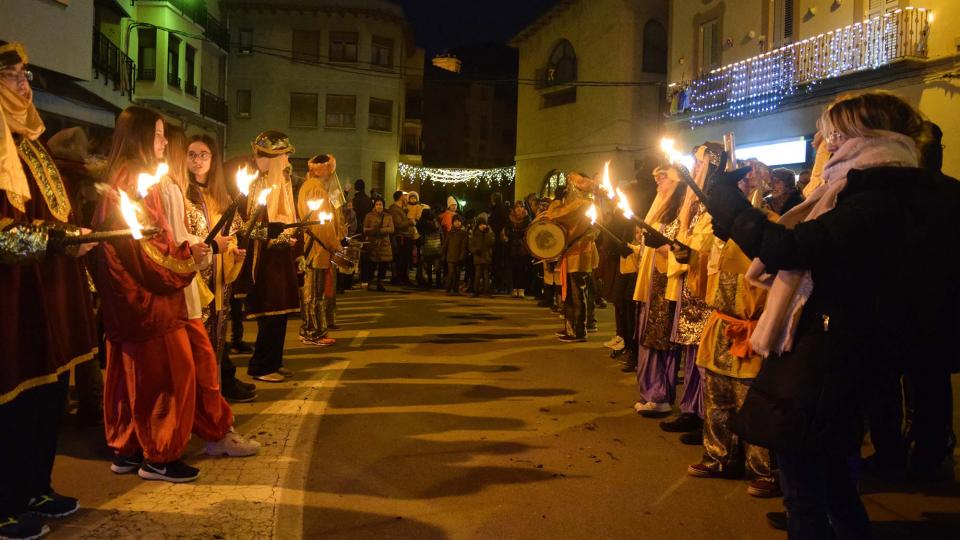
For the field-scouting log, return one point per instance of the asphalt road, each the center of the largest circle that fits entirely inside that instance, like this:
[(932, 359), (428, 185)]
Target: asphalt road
[(436, 417)]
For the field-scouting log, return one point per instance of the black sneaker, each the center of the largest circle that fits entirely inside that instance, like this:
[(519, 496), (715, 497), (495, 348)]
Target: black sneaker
[(692, 438), (22, 527), (177, 472), (593, 327), (53, 505), (240, 347), (571, 339), (777, 520), (248, 386), (684, 423), (126, 464), (235, 393)]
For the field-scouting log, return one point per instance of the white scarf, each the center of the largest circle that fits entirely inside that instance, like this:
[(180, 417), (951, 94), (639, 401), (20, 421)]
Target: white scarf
[(790, 289)]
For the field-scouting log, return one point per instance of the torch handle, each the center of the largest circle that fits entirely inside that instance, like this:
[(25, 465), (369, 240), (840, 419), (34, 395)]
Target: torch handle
[(103, 236), (225, 218), (689, 181)]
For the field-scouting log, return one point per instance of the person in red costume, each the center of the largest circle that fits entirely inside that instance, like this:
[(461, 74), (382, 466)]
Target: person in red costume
[(151, 382), (46, 319)]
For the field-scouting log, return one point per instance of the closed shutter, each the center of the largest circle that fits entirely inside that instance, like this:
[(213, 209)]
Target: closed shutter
[(876, 8)]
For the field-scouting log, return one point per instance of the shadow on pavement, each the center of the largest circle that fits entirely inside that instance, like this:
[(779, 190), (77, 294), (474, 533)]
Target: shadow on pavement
[(937, 526), (390, 456), (385, 370), (352, 395)]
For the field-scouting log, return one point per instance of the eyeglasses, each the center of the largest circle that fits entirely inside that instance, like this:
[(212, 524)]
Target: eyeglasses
[(16, 76), (835, 138), (202, 156)]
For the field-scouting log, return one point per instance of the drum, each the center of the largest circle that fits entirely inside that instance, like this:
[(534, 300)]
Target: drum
[(342, 261), (545, 240)]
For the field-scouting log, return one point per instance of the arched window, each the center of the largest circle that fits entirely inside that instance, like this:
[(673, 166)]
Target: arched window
[(654, 47), (562, 65), (551, 182)]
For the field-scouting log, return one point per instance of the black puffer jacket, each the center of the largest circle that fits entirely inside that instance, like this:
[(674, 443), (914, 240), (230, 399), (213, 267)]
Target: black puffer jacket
[(886, 292)]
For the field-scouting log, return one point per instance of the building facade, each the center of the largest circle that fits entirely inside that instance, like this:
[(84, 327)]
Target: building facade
[(764, 69), (95, 57), (329, 73), (569, 115)]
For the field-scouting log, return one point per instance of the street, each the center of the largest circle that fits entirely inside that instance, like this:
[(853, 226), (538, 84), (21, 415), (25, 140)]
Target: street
[(438, 417)]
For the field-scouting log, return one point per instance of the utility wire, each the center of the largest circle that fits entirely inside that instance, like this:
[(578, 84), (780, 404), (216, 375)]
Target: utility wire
[(377, 70)]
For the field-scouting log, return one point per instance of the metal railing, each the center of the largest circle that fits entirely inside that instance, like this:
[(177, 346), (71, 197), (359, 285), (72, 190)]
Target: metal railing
[(113, 64), (196, 11), (758, 84), (190, 88), (173, 79), (146, 74), (213, 106)]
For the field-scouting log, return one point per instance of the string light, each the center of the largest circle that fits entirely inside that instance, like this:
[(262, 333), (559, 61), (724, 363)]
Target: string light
[(759, 84), (491, 177)]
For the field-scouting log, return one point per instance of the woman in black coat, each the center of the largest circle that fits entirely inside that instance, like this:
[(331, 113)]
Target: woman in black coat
[(876, 302)]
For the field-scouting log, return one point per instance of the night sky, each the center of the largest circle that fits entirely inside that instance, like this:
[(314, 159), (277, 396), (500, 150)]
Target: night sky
[(443, 25)]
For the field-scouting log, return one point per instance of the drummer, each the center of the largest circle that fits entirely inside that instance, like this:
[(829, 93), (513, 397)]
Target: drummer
[(318, 302), (580, 258)]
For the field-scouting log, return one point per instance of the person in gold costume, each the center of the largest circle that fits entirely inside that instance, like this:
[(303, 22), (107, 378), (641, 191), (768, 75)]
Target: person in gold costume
[(318, 300), (580, 257)]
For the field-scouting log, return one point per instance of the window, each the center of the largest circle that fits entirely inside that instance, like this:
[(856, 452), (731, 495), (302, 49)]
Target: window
[(562, 65), (484, 126), (381, 114), (876, 8), (507, 137), (147, 54), (303, 110), (246, 41), (654, 47), (709, 41), (306, 46), (190, 67), (561, 97), (341, 111), (378, 176), (243, 103), (173, 61), (783, 22), (381, 53), (343, 46)]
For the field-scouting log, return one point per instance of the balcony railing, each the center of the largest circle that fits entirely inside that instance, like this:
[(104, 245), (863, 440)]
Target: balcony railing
[(146, 74), (190, 88), (196, 11), (760, 83), (113, 64), (213, 106), (173, 80)]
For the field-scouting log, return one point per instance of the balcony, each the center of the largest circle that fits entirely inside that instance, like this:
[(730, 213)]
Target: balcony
[(113, 64), (759, 84), (173, 80), (216, 32), (190, 88), (213, 107)]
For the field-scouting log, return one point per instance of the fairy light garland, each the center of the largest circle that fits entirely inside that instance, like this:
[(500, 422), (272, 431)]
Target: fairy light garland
[(759, 84), (492, 177)]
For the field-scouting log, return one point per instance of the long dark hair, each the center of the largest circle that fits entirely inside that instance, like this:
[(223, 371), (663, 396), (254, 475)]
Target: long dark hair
[(216, 180), (132, 143)]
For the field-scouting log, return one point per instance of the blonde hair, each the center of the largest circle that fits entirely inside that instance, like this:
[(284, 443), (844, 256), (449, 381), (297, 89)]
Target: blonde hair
[(865, 114)]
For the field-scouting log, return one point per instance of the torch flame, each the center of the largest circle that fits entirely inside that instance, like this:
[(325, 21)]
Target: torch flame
[(314, 204), (262, 198), (324, 217), (145, 181), (129, 212), (592, 214), (605, 184), (624, 204), (244, 179), (675, 156)]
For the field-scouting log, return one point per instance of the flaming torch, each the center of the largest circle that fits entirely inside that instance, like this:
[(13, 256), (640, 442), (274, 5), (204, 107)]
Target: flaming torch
[(129, 212), (261, 208), (605, 183), (680, 163), (145, 181), (243, 181)]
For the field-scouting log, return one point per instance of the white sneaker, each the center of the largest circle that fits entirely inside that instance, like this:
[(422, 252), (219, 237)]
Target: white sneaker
[(619, 345), (233, 445), (613, 342), (652, 407)]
